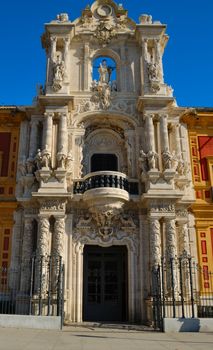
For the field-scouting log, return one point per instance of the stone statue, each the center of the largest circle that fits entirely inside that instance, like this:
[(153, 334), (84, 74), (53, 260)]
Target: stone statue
[(143, 163), (38, 159), (61, 160), (30, 165), (46, 159), (58, 72), (152, 156), (167, 159), (153, 71), (106, 97), (103, 72)]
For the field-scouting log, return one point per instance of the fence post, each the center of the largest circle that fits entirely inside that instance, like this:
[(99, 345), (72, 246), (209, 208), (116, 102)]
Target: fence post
[(181, 287), (62, 296), (163, 286), (40, 285), (31, 284), (49, 285), (191, 286), (173, 287)]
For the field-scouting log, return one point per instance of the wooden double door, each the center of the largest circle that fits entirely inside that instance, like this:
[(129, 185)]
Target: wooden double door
[(105, 283)]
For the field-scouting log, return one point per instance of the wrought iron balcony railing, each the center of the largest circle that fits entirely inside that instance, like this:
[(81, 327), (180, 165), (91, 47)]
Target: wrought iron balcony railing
[(102, 179)]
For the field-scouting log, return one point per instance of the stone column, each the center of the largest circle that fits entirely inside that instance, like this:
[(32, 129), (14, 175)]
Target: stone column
[(150, 132), (171, 250), (159, 57), (62, 135), (26, 255), (58, 237), (155, 242), (177, 139), (33, 137), (66, 55), (43, 252), (171, 242), (53, 42), (145, 49), (47, 131), (164, 133), (86, 62)]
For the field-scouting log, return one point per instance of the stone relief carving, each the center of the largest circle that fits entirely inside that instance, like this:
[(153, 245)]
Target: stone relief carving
[(58, 239), (127, 107), (155, 242), (43, 237), (147, 161), (52, 205), (153, 70), (105, 224), (105, 32), (162, 208)]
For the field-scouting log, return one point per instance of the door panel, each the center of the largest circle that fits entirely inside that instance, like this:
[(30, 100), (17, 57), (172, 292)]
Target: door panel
[(105, 283)]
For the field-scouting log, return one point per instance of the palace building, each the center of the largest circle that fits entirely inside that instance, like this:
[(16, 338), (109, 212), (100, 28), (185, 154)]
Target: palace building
[(104, 175)]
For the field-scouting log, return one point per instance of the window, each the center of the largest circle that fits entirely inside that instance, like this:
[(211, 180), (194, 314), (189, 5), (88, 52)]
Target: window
[(100, 162)]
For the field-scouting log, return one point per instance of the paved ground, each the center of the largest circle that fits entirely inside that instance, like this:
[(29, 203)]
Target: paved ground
[(89, 338)]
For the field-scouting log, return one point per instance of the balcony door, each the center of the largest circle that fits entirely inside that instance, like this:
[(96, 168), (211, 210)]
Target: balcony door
[(105, 286), (104, 161)]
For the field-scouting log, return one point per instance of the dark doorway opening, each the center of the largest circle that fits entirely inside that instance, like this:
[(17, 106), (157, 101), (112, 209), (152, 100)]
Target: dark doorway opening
[(105, 284), (100, 162)]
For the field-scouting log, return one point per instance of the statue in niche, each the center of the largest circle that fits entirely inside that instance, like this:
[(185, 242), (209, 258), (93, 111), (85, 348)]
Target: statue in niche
[(46, 158), (104, 72), (152, 157), (38, 159), (61, 158), (58, 72), (143, 163), (167, 159), (30, 165), (103, 87)]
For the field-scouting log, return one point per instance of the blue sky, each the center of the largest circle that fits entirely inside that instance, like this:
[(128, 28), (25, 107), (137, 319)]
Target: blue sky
[(188, 59)]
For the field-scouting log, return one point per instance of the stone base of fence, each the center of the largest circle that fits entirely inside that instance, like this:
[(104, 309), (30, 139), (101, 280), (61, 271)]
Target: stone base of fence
[(188, 325), (34, 322)]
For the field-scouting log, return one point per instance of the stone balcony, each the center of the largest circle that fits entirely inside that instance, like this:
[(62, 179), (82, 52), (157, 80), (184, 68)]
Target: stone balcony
[(110, 189)]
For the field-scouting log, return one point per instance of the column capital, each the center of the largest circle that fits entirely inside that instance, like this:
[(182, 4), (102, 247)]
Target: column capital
[(49, 114), (53, 39)]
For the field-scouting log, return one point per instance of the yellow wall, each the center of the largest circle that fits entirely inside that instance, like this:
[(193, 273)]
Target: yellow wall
[(200, 126)]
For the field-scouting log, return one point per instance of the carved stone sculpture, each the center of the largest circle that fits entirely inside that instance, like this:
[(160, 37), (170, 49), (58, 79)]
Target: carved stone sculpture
[(143, 162), (58, 72), (152, 157), (167, 159), (155, 242)]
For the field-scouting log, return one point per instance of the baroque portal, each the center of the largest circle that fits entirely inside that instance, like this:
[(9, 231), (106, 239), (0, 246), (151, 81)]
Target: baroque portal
[(103, 164)]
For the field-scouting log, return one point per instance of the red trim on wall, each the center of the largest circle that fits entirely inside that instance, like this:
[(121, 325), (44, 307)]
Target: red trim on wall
[(205, 272), (211, 230), (6, 243), (5, 139), (203, 247)]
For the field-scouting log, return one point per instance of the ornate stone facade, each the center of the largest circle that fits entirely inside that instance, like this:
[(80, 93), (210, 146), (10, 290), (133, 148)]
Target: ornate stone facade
[(104, 161)]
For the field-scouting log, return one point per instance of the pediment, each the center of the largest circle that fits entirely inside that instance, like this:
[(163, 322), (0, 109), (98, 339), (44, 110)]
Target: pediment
[(104, 19)]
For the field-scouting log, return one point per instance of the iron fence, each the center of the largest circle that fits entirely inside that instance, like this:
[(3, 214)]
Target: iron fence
[(180, 288), (37, 288)]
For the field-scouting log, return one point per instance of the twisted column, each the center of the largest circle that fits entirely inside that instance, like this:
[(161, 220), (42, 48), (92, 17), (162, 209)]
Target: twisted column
[(58, 238), (155, 242)]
